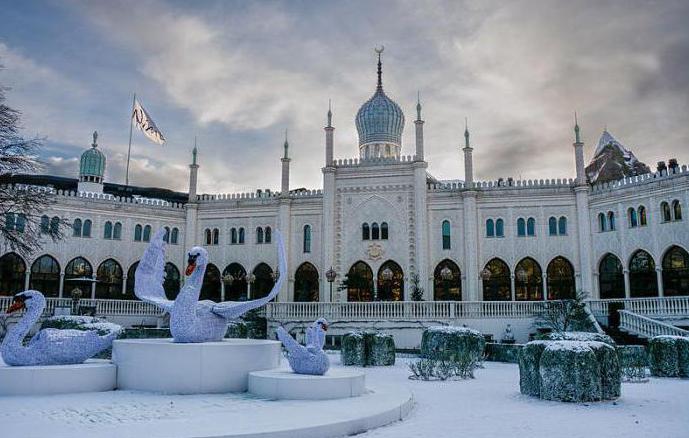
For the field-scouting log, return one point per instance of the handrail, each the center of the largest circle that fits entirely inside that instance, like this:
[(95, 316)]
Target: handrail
[(103, 307), (656, 306), (647, 327)]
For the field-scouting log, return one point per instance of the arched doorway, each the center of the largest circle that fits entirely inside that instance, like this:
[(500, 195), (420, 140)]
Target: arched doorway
[(263, 281), (528, 280), (561, 284), (172, 282), (496, 281), (236, 287), (447, 281), (676, 272), (78, 275), (610, 277), (131, 281), (306, 283), (45, 276), (210, 290), (390, 282), (109, 276), (359, 282), (643, 280), (12, 274)]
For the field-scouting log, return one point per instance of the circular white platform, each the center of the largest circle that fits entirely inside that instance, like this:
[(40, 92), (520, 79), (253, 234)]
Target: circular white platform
[(161, 365), (284, 384), (91, 376)]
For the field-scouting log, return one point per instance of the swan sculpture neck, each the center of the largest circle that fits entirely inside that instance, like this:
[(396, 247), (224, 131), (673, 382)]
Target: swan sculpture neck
[(12, 348)]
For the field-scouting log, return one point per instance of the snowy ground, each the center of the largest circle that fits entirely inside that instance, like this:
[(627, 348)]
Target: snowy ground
[(488, 406)]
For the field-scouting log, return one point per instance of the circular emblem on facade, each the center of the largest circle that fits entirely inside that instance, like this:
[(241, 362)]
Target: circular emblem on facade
[(375, 251)]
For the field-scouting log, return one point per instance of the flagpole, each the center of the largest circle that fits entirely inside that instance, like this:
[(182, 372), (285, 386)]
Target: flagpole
[(129, 151)]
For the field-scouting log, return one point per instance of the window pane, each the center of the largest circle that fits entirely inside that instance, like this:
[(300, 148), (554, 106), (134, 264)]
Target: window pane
[(562, 225), (521, 227), (552, 226), (490, 228), (499, 228), (531, 227), (117, 232)]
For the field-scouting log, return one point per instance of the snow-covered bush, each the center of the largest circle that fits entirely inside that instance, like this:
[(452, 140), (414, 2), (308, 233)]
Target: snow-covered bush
[(382, 349), (609, 368), (446, 341), (236, 329), (529, 374), (73, 322), (353, 350), (633, 362), (503, 352), (579, 336), (569, 372), (669, 356), (443, 367)]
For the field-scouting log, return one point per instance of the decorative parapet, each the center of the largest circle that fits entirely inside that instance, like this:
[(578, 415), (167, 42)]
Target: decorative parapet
[(502, 184), (257, 196), (380, 161), (647, 178)]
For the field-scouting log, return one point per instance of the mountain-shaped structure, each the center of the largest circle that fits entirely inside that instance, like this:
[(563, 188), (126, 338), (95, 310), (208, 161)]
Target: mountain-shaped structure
[(613, 161)]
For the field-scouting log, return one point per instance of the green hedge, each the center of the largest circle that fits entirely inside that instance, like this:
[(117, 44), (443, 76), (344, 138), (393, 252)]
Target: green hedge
[(633, 362), (509, 353), (445, 342), (579, 336), (529, 375), (368, 349), (669, 356), (569, 372)]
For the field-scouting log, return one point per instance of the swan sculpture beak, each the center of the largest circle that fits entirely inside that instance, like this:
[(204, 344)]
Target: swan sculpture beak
[(16, 305), (190, 269)]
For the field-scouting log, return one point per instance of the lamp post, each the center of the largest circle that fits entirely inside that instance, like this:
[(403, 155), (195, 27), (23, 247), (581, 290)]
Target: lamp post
[(330, 275)]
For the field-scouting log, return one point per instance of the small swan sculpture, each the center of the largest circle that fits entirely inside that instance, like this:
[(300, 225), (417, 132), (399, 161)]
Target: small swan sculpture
[(49, 346), (309, 359), (191, 320)]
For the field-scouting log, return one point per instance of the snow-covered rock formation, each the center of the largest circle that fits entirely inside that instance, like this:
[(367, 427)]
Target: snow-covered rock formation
[(612, 161)]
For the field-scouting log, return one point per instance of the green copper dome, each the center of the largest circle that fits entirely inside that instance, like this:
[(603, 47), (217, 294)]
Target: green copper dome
[(92, 161)]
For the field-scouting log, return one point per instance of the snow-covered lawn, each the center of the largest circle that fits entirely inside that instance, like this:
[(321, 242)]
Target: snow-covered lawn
[(488, 406)]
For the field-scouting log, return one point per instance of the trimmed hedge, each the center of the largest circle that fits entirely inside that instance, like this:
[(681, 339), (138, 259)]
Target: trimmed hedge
[(529, 361), (569, 372), (368, 349), (503, 352), (633, 362), (579, 336), (669, 356), (609, 367), (444, 342)]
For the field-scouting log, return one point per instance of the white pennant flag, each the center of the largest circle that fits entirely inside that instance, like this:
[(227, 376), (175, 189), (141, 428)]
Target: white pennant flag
[(145, 123)]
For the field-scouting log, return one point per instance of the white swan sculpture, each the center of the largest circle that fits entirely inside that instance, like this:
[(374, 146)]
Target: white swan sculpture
[(49, 346), (309, 359), (191, 320)]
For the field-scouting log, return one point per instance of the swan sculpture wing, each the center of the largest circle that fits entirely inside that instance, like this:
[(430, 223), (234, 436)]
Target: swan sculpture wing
[(235, 309), (148, 282)]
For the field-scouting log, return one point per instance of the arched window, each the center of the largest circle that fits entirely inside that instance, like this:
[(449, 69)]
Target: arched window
[(306, 283), (633, 220), (263, 282), (375, 231), (131, 281), (236, 286), (552, 226), (359, 281), (676, 210), (45, 224), (166, 236), (643, 220), (12, 274), (365, 231), (107, 230), (521, 227), (562, 226), (172, 282), (610, 277), (54, 225), (611, 221), (216, 236), (665, 211), (531, 227), (307, 238), (241, 236), (643, 281), (268, 235), (45, 276), (528, 280), (76, 228), (78, 274), (447, 282), (211, 288), (390, 282), (676, 272), (602, 224), (209, 236), (259, 235), (174, 237), (147, 233), (490, 228), (447, 236), (233, 236), (560, 273), (21, 223), (496, 281), (110, 277), (117, 231), (86, 232), (384, 231), (499, 228), (137, 232)]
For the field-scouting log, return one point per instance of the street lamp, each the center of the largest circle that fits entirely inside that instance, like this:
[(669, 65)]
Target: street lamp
[(330, 275)]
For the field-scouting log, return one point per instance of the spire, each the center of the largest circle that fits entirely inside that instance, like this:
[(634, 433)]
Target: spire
[(380, 68), (466, 133), (577, 138), (95, 139), (286, 144), (418, 105), (330, 115), (194, 153)]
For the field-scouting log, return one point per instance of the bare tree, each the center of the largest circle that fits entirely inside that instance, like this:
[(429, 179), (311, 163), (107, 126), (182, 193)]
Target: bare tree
[(564, 315), (22, 206)]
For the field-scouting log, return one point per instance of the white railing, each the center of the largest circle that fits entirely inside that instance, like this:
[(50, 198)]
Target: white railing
[(665, 306), (403, 310), (103, 307), (647, 327)]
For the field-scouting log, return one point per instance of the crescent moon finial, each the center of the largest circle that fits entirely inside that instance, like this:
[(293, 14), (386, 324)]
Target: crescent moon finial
[(379, 51)]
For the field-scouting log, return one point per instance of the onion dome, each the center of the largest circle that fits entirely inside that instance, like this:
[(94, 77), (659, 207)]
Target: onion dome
[(92, 165), (380, 122)]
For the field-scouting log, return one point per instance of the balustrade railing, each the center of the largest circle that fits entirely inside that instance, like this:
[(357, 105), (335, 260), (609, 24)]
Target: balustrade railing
[(647, 327), (665, 306), (103, 307)]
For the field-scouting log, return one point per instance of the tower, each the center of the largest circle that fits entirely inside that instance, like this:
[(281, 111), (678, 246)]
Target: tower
[(579, 154), (419, 131), (191, 217), (284, 186), (193, 173), (581, 193), (468, 159), (329, 138), (328, 226), (92, 168)]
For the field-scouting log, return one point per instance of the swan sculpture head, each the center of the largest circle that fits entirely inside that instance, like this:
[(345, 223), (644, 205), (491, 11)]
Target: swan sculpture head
[(29, 299), (322, 323), (197, 258)]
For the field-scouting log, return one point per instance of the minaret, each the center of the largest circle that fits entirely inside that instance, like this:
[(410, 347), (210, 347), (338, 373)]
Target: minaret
[(419, 130), (468, 160), (579, 154), (193, 173), (284, 187), (329, 138), (585, 281), (191, 216)]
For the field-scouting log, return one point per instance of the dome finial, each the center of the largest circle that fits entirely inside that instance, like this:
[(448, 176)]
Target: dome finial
[(95, 139), (380, 67)]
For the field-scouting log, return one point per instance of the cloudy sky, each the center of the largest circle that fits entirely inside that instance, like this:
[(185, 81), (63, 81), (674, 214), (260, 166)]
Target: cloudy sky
[(237, 74)]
